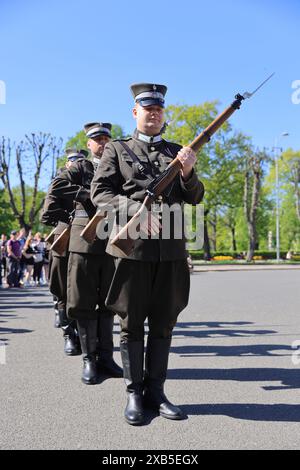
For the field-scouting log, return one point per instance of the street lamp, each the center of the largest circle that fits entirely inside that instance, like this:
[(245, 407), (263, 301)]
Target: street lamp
[(284, 134)]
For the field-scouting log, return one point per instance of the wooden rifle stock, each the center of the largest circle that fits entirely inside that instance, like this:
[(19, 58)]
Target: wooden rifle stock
[(89, 231), (122, 240), (50, 237), (61, 243)]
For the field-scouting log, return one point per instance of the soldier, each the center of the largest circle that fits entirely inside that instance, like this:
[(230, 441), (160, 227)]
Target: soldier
[(89, 268), (154, 280), (57, 212)]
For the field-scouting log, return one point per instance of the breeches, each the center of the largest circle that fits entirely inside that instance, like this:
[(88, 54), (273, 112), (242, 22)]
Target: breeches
[(89, 277), (157, 290)]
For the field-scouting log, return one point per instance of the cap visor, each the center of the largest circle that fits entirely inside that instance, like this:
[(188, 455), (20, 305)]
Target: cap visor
[(152, 102)]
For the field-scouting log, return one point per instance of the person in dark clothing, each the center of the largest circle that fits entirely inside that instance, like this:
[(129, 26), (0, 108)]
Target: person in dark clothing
[(89, 268), (153, 282), (14, 253), (56, 213)]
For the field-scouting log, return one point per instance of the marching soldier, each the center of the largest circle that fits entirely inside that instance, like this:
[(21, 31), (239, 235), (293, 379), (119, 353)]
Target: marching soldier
[(154, 280), (89, 268), (56, 212)]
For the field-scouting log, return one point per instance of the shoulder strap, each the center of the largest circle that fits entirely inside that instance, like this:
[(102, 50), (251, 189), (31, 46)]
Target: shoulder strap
[(135, 159)]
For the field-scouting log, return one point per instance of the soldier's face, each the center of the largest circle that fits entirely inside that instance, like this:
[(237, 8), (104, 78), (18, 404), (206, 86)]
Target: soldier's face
[(96, 145), (149, 119)]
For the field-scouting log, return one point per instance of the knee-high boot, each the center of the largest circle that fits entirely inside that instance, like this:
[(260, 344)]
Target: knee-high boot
[(68, 327), (132, 354), (87, 330), (156, 365), (105, 361)]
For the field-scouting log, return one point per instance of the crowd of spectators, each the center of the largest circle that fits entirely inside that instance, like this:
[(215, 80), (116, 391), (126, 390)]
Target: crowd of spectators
[(23, 260)]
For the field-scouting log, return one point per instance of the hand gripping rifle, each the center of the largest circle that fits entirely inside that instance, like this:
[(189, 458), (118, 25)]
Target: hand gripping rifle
[(122, 240)]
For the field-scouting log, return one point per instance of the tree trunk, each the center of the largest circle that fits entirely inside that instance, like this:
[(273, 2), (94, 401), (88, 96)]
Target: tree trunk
[(206, 244), (233, 245)]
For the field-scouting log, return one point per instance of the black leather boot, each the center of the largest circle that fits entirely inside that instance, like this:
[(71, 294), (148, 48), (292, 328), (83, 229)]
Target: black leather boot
[(156, 365), (132, 354), (105, 361), (71, 347), (87, 330)]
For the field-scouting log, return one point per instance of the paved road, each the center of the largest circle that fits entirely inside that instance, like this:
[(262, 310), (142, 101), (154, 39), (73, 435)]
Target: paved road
[(231, 370)]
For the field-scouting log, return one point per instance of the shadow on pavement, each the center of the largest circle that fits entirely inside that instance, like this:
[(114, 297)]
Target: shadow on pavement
[(211, 324), (27, 305), (248, 411), (288, 378), (22, 293), (236, 351), (219, 333), (14, 330)]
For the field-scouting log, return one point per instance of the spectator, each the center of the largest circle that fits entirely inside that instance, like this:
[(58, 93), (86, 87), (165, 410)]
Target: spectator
[(0, 269), (39, 249), (14, 253), (28, 255), (45, 270), (22, 239), (3, 250)]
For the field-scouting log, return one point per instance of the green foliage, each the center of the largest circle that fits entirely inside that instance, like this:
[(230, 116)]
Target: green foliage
[(7, 219), (220, 163)]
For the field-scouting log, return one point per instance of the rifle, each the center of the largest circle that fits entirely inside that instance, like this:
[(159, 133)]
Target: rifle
[(50, 237), (61, 243), (89, 231), (122, 240)]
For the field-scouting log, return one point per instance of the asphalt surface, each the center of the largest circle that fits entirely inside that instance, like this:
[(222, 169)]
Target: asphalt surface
[(231, 370)]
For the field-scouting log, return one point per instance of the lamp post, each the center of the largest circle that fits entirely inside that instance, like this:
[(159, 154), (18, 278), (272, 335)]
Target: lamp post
[(276, 148)]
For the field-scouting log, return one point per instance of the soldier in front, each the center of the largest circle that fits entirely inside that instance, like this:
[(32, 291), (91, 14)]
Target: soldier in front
[(153, 282)]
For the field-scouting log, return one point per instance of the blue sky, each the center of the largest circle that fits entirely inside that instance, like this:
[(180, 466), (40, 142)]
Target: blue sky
[(68, 62)]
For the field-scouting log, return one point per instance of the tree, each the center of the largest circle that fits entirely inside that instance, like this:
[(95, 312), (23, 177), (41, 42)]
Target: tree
[(219, 163), (31, 157), (289, 196), (252, 193), (6, 214)]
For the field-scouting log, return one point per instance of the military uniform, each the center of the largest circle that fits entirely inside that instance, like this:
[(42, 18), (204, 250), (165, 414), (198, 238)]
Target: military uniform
[(154, 280), (89, 272), (56, 212)]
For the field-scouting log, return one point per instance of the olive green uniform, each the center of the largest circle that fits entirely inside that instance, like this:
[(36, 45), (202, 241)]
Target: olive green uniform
[(153, 281)]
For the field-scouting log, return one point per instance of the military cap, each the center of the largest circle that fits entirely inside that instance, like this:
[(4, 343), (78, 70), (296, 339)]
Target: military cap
[(94, 129), (147, 94), (73, 154)]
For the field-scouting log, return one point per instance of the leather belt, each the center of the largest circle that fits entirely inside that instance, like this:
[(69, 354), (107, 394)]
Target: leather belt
[(80, 213)]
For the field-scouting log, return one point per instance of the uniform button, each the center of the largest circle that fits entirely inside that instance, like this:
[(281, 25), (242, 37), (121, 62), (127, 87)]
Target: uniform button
[(152, 148), (156, 163)]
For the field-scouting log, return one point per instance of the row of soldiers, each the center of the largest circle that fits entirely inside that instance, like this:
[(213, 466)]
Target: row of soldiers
[(92, 281)]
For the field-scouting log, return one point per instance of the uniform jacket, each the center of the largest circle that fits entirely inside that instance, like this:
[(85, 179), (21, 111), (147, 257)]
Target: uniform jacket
[(73, 186), (56, 210), (118, 182)]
